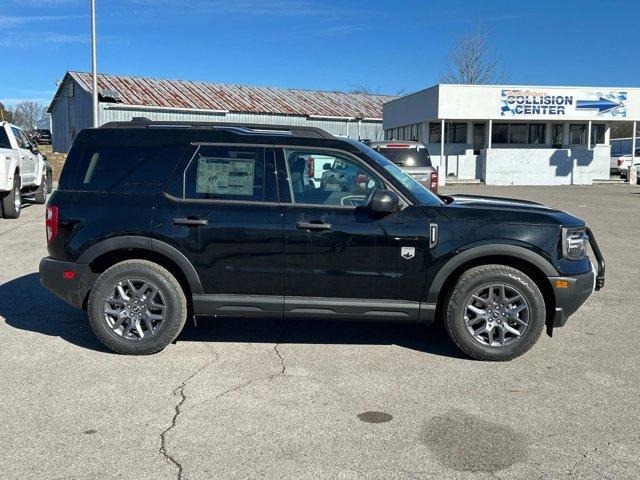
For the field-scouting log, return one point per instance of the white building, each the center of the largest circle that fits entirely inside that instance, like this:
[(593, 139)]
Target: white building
[(514, 135)]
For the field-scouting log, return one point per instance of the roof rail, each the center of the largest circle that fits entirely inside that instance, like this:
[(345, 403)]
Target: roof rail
[(239, 128)]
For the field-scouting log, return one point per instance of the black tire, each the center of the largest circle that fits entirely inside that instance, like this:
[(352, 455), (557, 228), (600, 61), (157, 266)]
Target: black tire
[(49, 181), (473, 281), (11, 208), (167, 285), (40, 195)]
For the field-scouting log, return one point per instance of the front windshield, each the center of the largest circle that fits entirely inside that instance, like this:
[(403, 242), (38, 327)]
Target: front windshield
[(418, 191)]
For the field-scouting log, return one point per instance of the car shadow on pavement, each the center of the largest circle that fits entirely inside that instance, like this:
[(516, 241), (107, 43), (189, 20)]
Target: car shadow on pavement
[(26, 305), (433, 340)]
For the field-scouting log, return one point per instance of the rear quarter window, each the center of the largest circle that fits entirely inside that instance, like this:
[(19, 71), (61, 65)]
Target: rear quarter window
[(125, 169)]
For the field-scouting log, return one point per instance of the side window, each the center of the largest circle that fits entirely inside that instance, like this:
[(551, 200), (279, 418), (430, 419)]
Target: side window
[(4, 139), (127, 169), (16, 133), (232, 172), (322, 178)]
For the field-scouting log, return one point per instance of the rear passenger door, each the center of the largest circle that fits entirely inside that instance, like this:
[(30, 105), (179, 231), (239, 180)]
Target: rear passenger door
[(27, 162), (221, 211)]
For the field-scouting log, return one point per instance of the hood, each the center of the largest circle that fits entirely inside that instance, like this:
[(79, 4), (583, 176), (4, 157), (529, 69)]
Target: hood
[(475, 208)]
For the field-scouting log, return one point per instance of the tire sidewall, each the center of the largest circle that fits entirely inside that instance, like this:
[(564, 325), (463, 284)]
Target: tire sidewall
[(173, 295), (472, 281), (8, 200)]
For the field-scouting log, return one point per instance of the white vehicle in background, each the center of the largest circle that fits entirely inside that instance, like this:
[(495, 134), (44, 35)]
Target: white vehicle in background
[(23, 171), (621, 155)]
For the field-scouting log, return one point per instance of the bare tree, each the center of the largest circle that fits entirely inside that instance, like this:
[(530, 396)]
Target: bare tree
[(471, 61), (28, 115), (621, 129), (5, 114)]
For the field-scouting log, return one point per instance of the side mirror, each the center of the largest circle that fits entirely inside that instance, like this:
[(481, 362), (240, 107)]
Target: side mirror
[(326, 167), (384, 202), (34, 148)]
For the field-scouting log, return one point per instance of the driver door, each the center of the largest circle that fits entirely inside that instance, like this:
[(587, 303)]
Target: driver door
[(340, 260)]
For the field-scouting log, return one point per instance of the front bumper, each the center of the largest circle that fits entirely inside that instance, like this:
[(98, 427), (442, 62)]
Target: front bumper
[(72, 290), (572, 292)]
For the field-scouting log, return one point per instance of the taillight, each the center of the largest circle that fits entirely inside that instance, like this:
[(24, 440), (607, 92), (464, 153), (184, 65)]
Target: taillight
[(433, 182), (620, 162), (51, 222)]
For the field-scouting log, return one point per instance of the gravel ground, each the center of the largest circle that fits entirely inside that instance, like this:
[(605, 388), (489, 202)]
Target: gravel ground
[(236, 398)]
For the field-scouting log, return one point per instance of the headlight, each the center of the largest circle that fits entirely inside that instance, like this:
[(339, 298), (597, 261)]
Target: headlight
[(574, 243)]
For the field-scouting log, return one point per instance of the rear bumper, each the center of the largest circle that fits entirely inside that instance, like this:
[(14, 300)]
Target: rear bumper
[(72, 290)]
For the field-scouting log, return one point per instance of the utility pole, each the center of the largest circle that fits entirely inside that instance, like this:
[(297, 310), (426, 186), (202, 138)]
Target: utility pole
[(94, 68), (633, 173)]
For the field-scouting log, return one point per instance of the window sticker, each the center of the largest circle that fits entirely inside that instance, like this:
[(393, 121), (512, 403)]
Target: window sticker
[(225, 176)]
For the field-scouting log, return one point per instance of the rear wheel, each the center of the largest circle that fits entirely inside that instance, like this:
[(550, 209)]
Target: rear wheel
[(12, 201), (137, 307), (40, 195), (495, 313)]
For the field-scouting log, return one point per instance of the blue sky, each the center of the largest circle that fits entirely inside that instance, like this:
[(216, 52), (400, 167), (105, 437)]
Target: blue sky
[(387, 46)]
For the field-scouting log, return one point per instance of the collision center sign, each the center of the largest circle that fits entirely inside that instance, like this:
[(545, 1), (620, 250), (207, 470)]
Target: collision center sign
[(563, 103)]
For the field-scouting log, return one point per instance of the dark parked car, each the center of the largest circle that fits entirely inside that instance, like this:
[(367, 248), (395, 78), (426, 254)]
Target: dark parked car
[(154, 222), (41, 136)]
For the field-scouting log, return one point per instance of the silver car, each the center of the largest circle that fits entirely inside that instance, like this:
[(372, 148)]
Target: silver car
[(412, 157)]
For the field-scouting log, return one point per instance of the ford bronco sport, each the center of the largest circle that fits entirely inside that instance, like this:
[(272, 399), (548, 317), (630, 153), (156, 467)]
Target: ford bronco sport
[(154, 222)]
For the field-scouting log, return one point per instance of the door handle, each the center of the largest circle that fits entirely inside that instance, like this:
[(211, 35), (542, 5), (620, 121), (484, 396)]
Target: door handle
[(191, 222), (313, 226)]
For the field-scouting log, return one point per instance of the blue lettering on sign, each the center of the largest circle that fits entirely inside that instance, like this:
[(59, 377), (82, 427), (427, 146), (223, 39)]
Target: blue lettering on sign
[(531, 102)]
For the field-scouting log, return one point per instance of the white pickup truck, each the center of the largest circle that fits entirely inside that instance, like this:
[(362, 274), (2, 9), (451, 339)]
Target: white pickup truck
[(23, 171)]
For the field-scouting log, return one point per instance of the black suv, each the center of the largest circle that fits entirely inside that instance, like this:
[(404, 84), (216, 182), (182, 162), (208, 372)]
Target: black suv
[(154, 222)]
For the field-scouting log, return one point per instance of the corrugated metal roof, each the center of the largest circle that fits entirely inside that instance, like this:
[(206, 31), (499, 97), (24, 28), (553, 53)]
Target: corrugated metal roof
[(235, 98)]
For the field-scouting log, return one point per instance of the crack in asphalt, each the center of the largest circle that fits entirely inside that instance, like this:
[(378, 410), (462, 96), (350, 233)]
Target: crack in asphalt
[(177, 410), (180, 391), (586, 455), (240, 386), (276, 350)]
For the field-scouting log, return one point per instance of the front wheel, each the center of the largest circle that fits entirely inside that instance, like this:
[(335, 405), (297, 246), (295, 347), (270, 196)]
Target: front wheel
[(137, 307), (495, 313)]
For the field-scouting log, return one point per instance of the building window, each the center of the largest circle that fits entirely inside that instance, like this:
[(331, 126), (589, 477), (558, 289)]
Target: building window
[(456, 133), (537, 133), (578, 134), (518, 133), (597, 134), (419, 132), (557, 135), (434, 133), (500, 133)]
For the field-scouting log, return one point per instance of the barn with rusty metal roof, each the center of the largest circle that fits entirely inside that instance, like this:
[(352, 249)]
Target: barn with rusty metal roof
[(121, 98)]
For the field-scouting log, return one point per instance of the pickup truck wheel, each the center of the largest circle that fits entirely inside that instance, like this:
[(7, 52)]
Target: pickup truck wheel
[(137, 307), (12, 201), (495, 313), (40, 196)]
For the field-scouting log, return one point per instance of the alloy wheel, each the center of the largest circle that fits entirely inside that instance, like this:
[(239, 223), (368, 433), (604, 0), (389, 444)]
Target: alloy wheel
[(496, 315), (17, 200), (135, 309)]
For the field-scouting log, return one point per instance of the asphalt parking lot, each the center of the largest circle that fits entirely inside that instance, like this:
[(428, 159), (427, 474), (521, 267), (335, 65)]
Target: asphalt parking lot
[(237, 398)]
